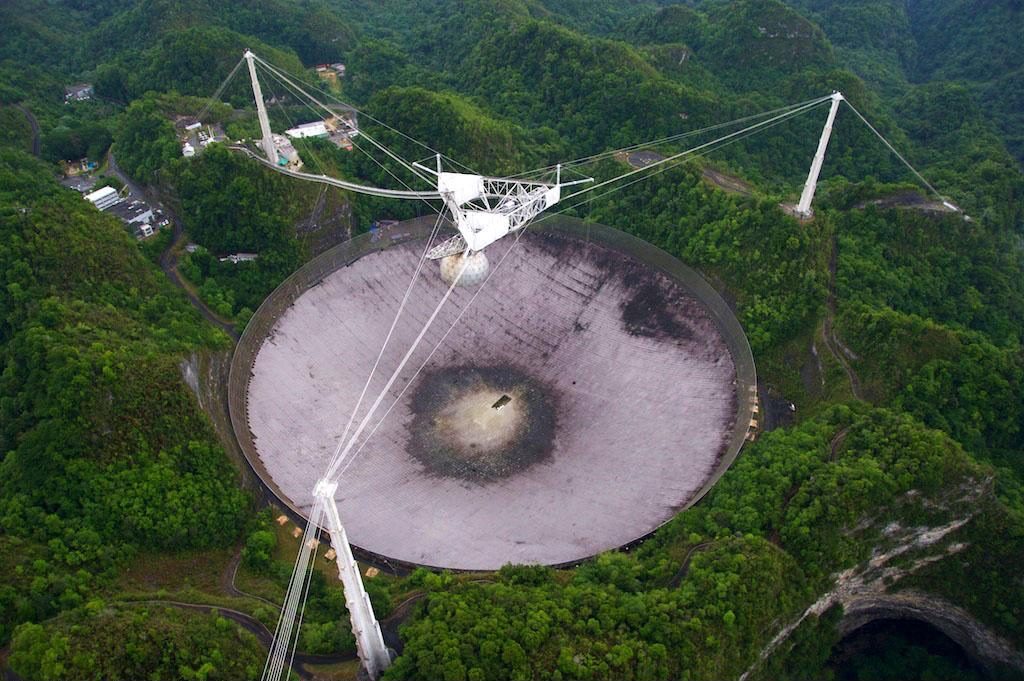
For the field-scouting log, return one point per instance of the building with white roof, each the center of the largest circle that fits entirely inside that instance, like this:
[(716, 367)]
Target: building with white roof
[(103, 198), (314, 129)]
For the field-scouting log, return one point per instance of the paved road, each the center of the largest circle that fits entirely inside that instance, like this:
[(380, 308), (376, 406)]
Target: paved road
[(254, 626), (134, 188), (36, 146), (227, 582), (247, 622), (169, 265), (389, 626), (684, 568)]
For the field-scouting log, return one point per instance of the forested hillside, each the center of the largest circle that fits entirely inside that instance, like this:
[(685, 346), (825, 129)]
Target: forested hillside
[(105, 449), (893, 44), (892, 326)]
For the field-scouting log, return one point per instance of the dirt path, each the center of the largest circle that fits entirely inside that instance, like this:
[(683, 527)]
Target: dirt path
[(169, 265), (228, 586), (680, 574), (727, 183), (909, 200), (831, 341), (837, 442), (389, 626), (227, 577)]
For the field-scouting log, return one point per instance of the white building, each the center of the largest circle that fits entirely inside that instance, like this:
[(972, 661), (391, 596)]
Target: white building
[(103, 198), (314, 129), (236, 258), (78, 93), (287, 155), (188, 151), (140, 213)]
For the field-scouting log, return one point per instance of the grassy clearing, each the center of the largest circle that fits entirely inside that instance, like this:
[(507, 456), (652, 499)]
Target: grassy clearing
[(342, 671), (199, 570)]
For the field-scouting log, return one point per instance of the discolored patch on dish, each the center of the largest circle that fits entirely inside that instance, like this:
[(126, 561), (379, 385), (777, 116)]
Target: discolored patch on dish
[(648, 312), (481, 423)]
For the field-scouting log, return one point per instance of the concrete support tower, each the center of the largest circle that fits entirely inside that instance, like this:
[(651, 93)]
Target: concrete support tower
[(261, 110), (369, 641), (803, 209)]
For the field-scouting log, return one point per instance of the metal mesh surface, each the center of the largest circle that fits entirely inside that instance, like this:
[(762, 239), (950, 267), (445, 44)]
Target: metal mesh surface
[(648, 372)]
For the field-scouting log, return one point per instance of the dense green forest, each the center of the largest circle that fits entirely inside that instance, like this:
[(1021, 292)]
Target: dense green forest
[(894, 329), (105, 449)]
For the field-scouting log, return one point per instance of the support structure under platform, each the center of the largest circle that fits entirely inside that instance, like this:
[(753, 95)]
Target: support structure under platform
[(369, 641), (803, 209)]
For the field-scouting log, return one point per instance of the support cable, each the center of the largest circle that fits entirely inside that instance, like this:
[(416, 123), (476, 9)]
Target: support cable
[(387, 338), (281, 641), (217, 93), (893, 150), (284, 112), (381, 123), (501, 260), (408, 291), (287, 620), (298, 97), (340, 458), (567, 165), (327, 180), (493, 270), (281, 615), (703, 152), (337, 459), (335, 182), (305, 597), (283, 635), (400, 181), (405, 297), (330, 111), (682, 154)]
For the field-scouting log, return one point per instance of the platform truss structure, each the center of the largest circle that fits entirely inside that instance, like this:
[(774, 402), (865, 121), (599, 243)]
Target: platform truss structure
[(484, 209)]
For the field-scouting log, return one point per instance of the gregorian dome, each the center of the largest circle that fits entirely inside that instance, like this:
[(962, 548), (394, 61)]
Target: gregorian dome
[(476, 268)]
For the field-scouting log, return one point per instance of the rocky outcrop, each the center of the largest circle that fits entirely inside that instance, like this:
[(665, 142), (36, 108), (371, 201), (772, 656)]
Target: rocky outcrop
[(978, 641), (206, 375), (865, 591)]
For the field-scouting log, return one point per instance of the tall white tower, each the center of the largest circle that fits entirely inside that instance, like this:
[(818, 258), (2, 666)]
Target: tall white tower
[(369, 640), (803, 208), (261, 110)]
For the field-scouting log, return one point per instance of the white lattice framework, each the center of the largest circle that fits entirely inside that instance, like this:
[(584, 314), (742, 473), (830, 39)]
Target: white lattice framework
[(484, 209)]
